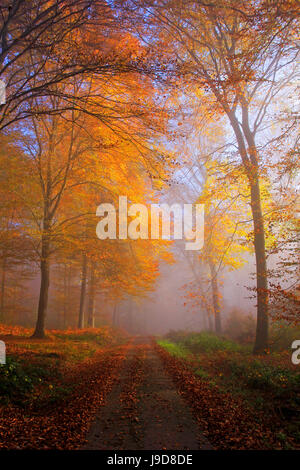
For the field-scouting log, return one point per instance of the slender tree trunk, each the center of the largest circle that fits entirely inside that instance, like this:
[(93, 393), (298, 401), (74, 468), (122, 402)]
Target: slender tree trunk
[(44, 286), (3, 279), (65, 295), (130, 318), (115, 315), (249, 155), (91, 306), (216, 299), (145, 326), (69, 294), (210, 323), (45, 250), (262, 325), (82, 292)]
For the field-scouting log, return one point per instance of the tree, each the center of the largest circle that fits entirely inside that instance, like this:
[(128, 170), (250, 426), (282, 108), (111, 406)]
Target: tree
[(73, 160), (241, 54), (16, 250), (44, 44), (224, 196)]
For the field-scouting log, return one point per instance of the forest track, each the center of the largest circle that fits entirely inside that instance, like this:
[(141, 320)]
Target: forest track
[(144, 410)]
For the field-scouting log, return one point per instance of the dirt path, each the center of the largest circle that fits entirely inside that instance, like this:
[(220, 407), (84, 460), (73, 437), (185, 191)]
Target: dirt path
[(144, 410)]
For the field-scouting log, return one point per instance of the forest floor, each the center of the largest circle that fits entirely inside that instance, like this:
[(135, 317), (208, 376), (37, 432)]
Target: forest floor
[(144, 409), (93, 389)]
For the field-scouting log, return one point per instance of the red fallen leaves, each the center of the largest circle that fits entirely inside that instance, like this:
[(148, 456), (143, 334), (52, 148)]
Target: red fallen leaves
[(128, 397), (17, 333), (224, 420), (122, 427), (63, 426)]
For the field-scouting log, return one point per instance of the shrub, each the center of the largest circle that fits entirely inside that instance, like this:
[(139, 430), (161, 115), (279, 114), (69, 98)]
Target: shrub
[(177, 336), (257, 375), (207, 342), (14, 382), (18, 378), (202, 374), (282, 335), (240, 327)]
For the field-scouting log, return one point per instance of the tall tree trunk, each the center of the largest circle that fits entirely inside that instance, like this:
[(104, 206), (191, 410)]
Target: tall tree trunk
[(248, 152), (68, 294), (3, 279), (210, 323), (130, 318), (262, 325), (65, 296), (216, 299), (91, 306), (44, 286), (45, 249), (115, 315), (82, 291)]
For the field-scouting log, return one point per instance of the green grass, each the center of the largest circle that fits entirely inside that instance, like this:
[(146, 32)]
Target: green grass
[(173, 348), (204, 342), (207, 342), (202, 373)]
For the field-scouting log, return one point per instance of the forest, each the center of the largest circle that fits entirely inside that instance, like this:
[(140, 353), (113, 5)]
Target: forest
[(149, 225)]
